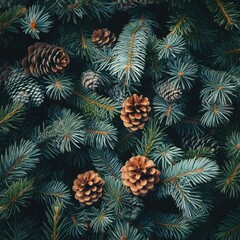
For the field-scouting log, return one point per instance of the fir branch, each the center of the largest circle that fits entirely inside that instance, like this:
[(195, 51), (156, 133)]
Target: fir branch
[(194, 171), (54, 227), (229, 179), (50, 192), (15, 196), (101, 219), (116, 195), (226, 13), (9, 17), (59, 86), (152, 137), (18, 161), (11, 116), (229, 228), (171, 226), (172, 113), (106, 162), (215, 114), (100, 134), (233, 144), (170, 46), (104, 108), (124, 231), (130, 51)]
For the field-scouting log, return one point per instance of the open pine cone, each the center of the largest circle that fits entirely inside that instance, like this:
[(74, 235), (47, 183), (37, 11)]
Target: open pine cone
[(140, 175), (103, 37), (135, 111), (44, 59), (88, 187)]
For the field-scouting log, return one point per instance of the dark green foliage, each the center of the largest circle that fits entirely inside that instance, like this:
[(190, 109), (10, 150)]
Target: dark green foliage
[(183, 55)]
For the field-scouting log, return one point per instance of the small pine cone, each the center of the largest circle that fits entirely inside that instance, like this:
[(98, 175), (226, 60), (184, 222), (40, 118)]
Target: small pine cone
[(132, 3), (168, 91), (90, 80), (88, 187), (140, 175), (44, 59), (118, 94), (24, 88), (137, 207), (135, 111), (5, 73), (193, 142), (103, 37)]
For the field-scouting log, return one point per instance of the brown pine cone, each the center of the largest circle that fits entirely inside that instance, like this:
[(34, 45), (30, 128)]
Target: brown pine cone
[(140, 175), (103, 37), (44, 59), (135, 111), (88, 187)]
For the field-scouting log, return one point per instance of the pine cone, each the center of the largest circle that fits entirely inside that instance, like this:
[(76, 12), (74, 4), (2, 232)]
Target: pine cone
[(24, 88), (44, 59), (90, 80), (5, 73), (135, 111), (167, 91), (103, 37), (88, 187), (137, 207), (193, 142), (133, 3), (118, 94), (140, 175)]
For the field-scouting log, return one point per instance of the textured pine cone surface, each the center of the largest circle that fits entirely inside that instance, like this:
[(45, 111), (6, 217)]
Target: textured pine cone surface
[(193, 142), (134, 113), (167, 91), (90, 80), (43, 59), (103, 37), (140, 175), (118, 94), (88, 187), (5, 73), (24, 88), (130, 214)]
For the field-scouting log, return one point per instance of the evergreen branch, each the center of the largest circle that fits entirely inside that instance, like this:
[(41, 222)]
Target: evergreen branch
[(106, 162), (14, 197), (172, 113), (170, 46), (11, 116), (77, 223), (50, 192), (124, 231), (59, 86), (194, 171), (215, 114), (152, 137), (166, 155), (101, 219), (233, 145), (218, 87), (67, 129), (229, 180), (100, 134), (130, 51), (229, 228), (10, 16), (99, 106), (55, 225), (116, 195), (226, 13), (226, 53), (171, 226), (18, 161)]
